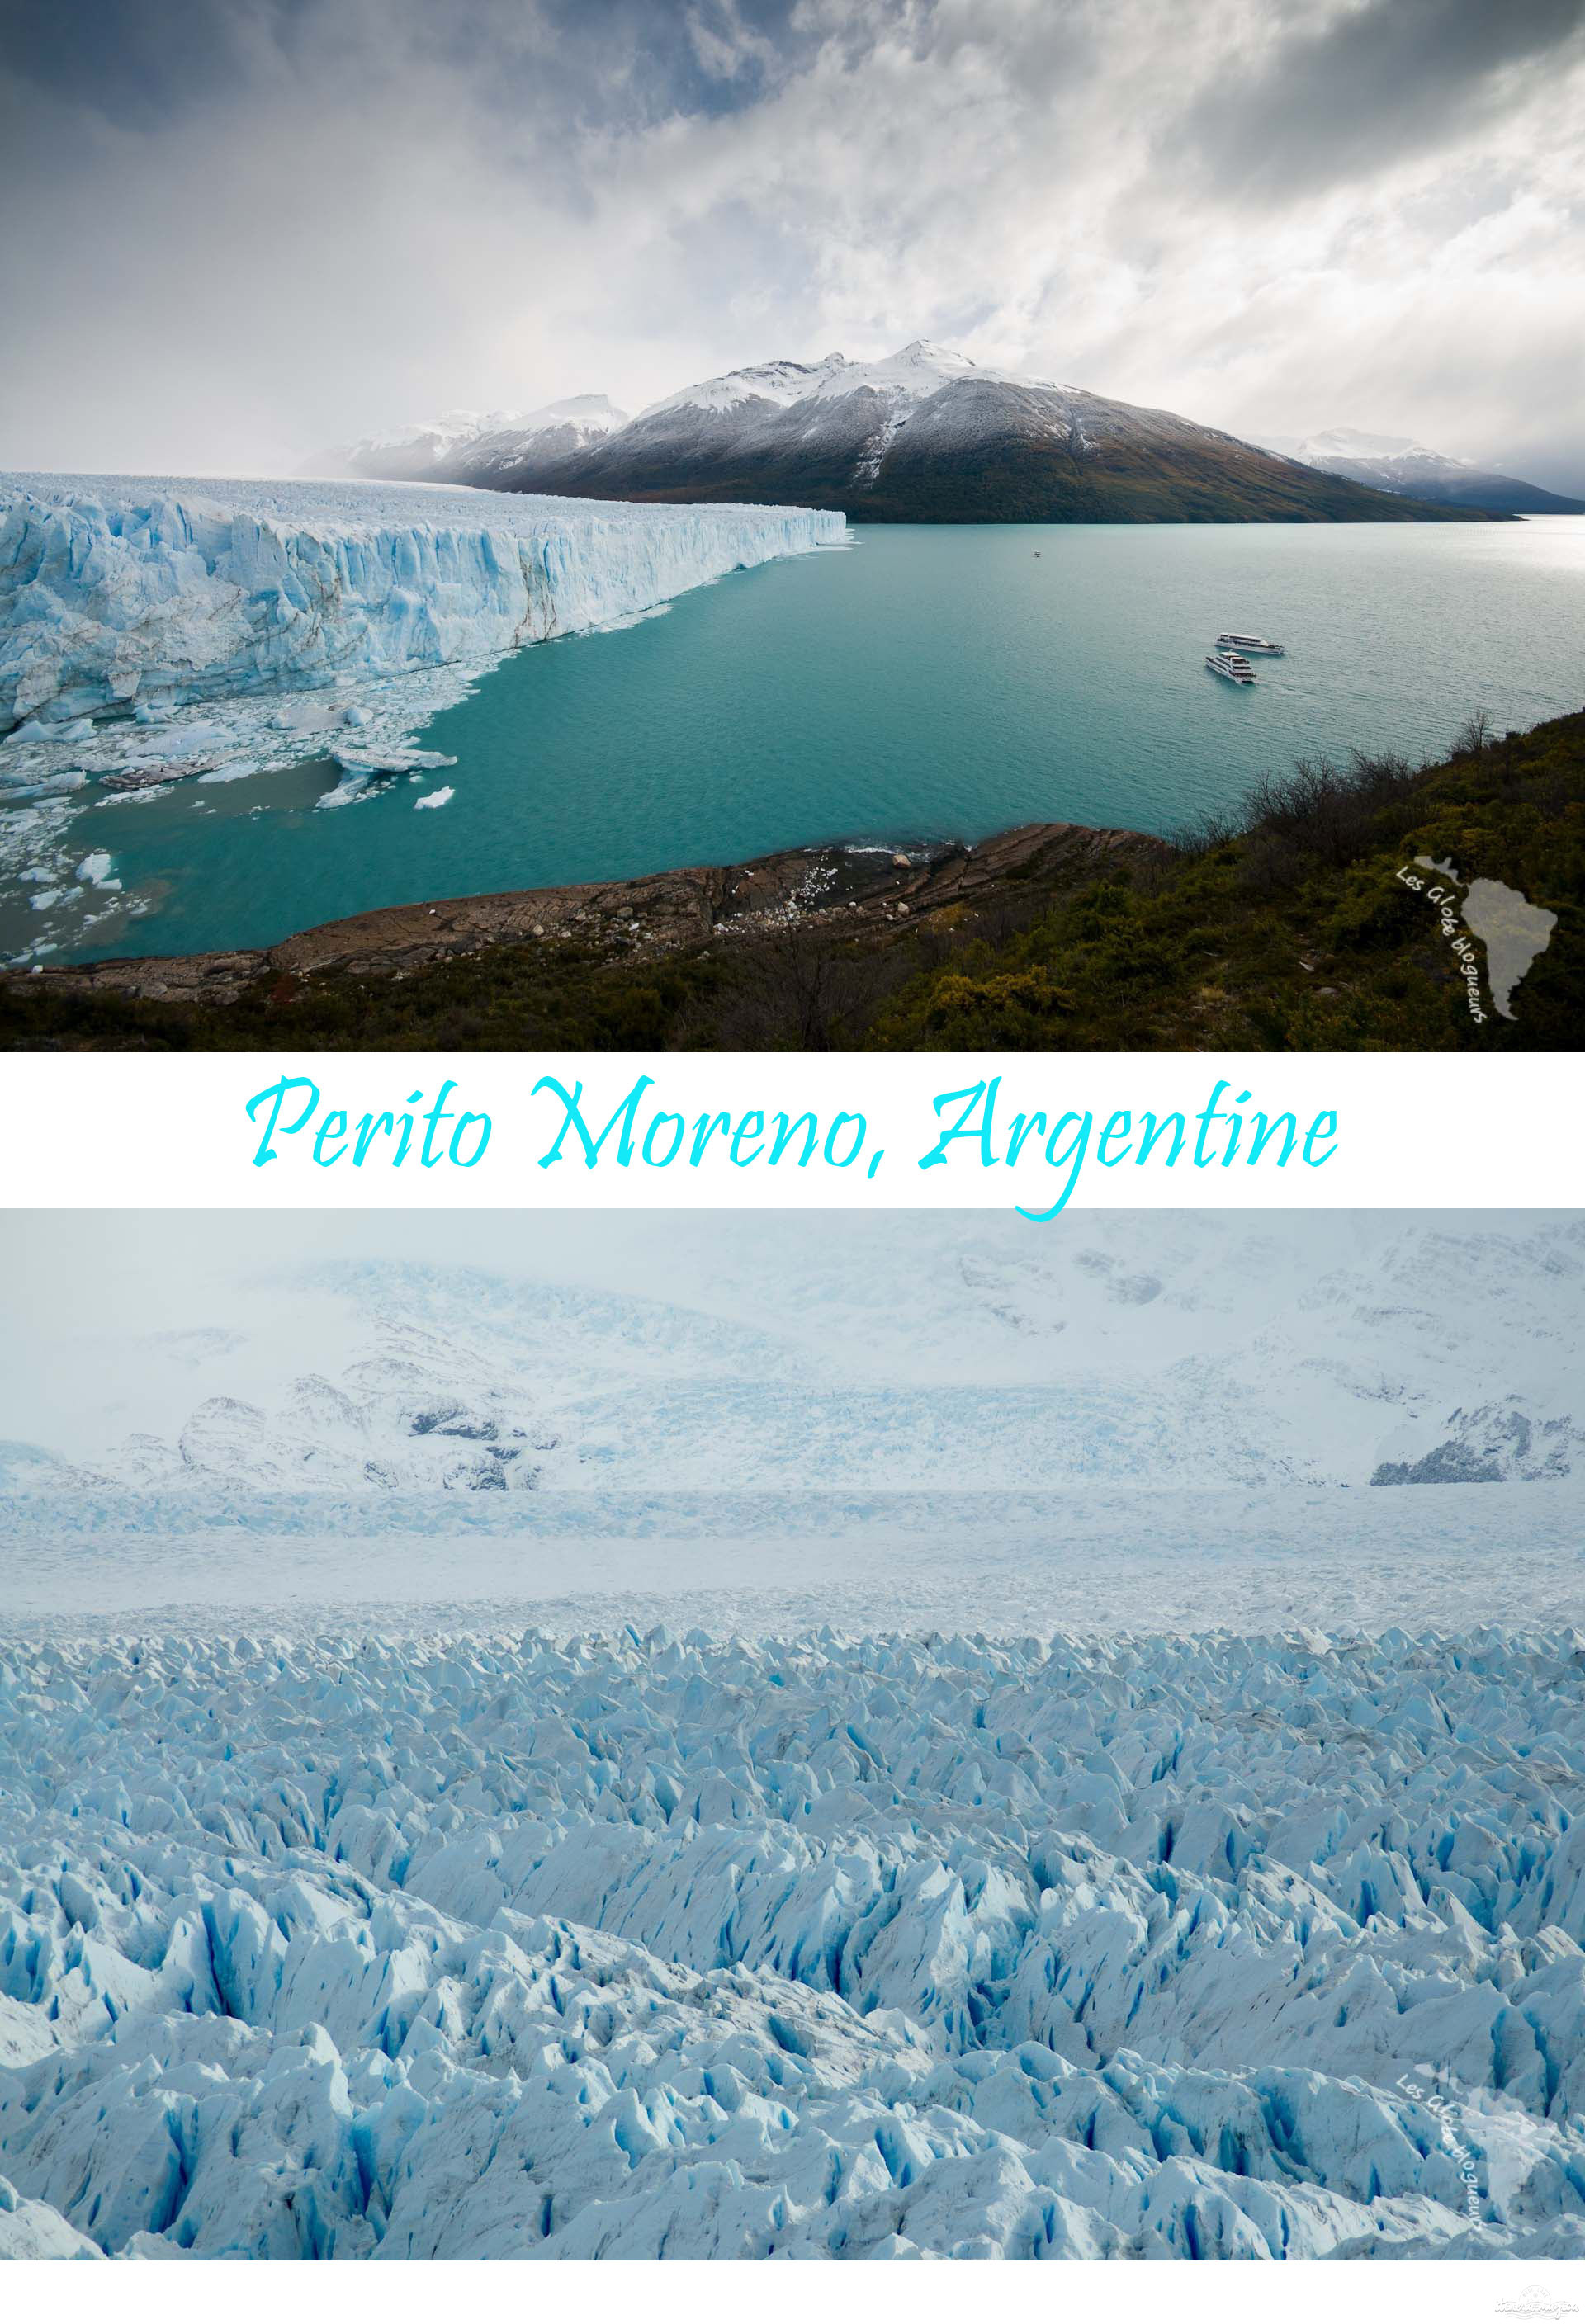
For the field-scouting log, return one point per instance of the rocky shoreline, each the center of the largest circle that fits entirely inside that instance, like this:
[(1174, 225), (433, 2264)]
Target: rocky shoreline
[(870, 891)]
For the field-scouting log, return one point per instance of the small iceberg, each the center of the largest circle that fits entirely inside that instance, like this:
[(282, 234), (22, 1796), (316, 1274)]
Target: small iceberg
[(388, 759)]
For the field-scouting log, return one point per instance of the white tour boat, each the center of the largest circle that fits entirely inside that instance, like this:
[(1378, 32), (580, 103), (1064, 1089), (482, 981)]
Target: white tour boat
[(1248, 645), (1231, 665)]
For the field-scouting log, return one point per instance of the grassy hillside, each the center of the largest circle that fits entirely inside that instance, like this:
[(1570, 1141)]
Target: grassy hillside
[(1288, 929), (1293, 930), (1218, 481)]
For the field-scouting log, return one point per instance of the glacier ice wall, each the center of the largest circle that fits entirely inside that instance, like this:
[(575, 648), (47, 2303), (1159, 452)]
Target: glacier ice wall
[(117, 591)]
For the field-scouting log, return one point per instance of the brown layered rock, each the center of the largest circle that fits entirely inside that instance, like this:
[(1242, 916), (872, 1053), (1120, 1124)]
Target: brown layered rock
[(871, 890)]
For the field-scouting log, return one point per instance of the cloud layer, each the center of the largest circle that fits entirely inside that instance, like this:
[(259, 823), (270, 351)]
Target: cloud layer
[(250, 227)]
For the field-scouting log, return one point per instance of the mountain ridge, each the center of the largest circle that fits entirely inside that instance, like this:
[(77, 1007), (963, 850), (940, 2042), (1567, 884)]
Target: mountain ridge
[(418, 452), (1397, 464), (923, 436)]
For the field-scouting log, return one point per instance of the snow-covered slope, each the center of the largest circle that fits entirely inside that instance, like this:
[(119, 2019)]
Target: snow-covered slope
[(902, 381), (136, 593), (413, 450), (475, 446), (556, 432), (889, 1352), (1396, 464), (1100, 1559), (922, 433), (492, 1948)]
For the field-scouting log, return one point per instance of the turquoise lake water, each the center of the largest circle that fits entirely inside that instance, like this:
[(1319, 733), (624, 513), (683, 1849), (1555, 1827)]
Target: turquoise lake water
[(931, 682)]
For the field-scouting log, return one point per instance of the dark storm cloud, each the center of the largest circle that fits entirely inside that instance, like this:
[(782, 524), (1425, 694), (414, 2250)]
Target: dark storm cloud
[(1379, 82), (243, 230), (147, 65), (150, 63)]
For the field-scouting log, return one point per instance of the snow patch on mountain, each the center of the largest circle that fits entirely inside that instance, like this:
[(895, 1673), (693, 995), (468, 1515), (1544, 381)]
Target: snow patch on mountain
[(916, 371), (1498, 1443)]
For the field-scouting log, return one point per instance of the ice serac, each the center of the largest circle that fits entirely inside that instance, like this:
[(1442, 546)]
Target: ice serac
[(486, 1947), (133, 592)]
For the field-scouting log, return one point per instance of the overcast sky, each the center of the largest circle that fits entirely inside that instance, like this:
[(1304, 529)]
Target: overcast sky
[(240, 230)]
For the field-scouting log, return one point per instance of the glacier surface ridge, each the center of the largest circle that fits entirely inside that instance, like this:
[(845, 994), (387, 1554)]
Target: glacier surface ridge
[(815, 1947)]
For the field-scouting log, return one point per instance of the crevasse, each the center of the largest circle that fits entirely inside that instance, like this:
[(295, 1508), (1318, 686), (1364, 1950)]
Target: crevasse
[(492, 1945)]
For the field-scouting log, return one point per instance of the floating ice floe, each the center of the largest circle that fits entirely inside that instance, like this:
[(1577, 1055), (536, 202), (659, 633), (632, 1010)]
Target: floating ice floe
[(392, 759)]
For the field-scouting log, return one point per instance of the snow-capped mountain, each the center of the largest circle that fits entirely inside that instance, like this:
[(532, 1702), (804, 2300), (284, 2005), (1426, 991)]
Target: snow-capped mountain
[(557, 432), (465, 447), (1181, 1354), (901, 382), (1396, 464), (925, 434)]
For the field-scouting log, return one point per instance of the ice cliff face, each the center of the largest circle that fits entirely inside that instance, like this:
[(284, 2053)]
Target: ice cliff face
[(119, 594), (823, 1946), (154, 631)]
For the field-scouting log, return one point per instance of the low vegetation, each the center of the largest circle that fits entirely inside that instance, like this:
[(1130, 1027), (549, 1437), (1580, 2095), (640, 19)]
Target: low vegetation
[(1284, 927), (1288, 928)]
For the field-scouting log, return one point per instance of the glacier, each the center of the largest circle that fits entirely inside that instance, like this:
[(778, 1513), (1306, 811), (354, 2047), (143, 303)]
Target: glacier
[(874, 1737), (149, 592), (1126, 1351), (818, 1947), (155, 630)]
